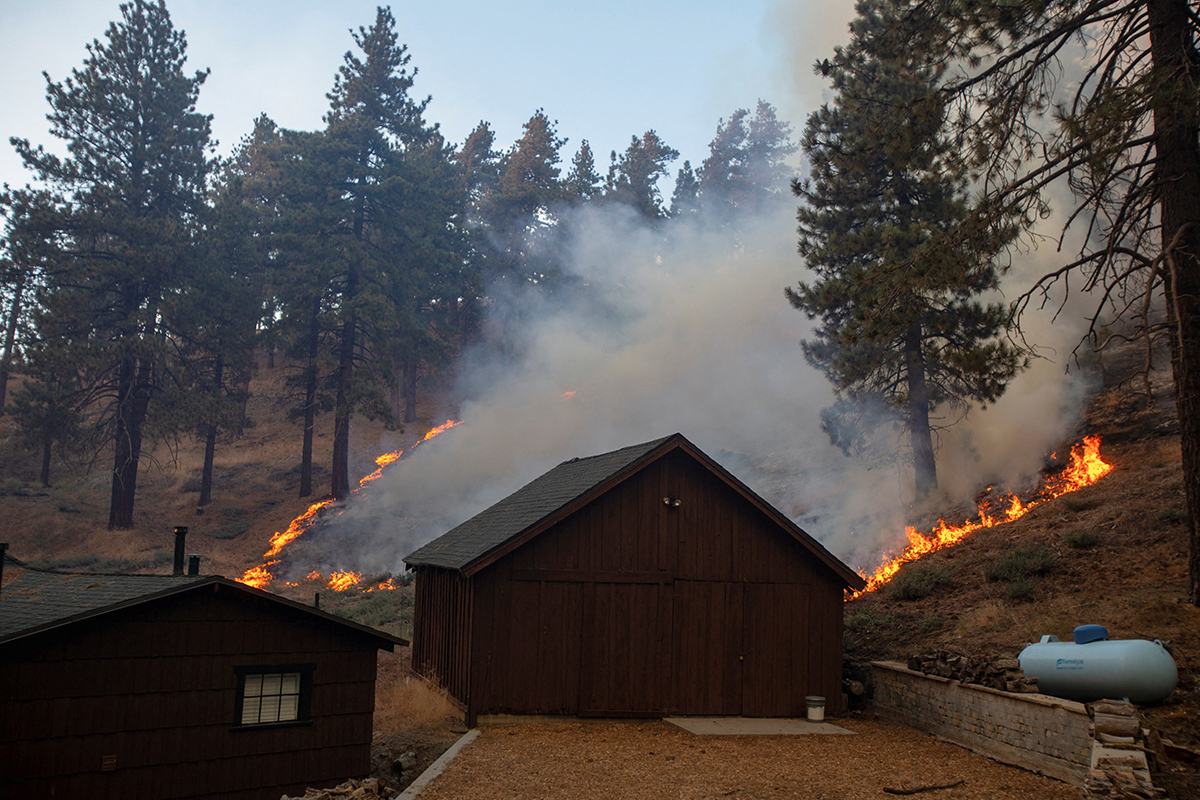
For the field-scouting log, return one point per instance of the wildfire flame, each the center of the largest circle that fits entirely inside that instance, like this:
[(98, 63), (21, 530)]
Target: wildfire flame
[(1086, 467), (339, 581), (342, 580)]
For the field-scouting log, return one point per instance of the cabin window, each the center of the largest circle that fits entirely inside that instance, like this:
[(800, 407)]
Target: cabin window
[(273, 694)]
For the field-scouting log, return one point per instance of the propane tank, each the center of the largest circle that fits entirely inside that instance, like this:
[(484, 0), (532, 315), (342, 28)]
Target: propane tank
[(1094, 668)]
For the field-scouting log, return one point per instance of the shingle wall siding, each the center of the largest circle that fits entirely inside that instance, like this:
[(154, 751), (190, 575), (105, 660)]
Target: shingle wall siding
[(139, 703)]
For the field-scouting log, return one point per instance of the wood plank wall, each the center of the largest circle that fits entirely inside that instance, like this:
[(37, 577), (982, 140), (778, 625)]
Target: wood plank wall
[(442, 626), (152, 689), (634, 607)]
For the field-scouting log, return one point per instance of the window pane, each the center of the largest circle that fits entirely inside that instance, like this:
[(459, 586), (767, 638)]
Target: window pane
[(270, 684), (270, 709), (250, 708), (289, 706), (271, 697)]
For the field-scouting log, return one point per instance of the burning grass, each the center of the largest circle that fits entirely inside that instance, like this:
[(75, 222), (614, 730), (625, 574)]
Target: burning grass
[(1084, 468), (1108, 561), (339, 581)]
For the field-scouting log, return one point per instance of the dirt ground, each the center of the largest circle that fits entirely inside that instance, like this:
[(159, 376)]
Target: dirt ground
[(631, 760)]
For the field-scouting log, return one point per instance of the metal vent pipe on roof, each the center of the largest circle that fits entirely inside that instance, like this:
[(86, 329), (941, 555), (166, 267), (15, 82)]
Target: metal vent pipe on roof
[(180, 535), (194, 564)]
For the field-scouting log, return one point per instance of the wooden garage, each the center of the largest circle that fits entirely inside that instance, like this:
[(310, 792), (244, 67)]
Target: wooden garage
[(643, 582), (154, 687)]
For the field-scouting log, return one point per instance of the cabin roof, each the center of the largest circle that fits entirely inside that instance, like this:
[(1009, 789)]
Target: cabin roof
[(35, 600), (540, 503)]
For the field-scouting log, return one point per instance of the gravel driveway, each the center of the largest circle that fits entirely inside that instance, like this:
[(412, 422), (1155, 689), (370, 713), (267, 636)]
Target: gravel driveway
[(612, 760)]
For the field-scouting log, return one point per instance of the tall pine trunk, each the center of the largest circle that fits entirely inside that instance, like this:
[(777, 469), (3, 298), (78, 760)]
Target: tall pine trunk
[(924, 465), (410, 389), (340, 481), (10, 336), (310, 399), (1176, 122), (340, 487), (395, 390), (133, 398), (47, 447), (210, 440)]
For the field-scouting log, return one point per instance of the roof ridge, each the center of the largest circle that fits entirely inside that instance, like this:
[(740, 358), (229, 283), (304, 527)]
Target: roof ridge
[(609, 453)]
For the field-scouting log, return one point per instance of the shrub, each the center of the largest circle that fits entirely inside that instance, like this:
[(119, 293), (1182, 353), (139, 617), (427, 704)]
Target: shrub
[(1082, 540), (930, 622), (387, 610), (866, 619), (1022, 589), (918, 581), (1020, 563), (1172, 516), (1080, 503), (230, 530)]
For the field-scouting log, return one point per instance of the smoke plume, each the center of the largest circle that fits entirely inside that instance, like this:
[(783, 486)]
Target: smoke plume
[(677, 333)]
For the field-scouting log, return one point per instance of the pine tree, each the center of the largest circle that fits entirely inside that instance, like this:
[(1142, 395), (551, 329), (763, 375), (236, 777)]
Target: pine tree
[(432, 270), (118, 238), (1103, 97), (226, 301), (685, 199), (519, 210), (479, 170), (582, 182), (746, 171), (372, 122), (900, 326), (633, 178)]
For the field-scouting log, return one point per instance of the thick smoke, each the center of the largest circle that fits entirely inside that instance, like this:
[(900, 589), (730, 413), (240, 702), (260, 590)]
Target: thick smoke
[(679, 332), (676, 333)]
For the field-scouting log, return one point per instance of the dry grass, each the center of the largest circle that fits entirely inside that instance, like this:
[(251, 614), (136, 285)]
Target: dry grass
[(411, 702)]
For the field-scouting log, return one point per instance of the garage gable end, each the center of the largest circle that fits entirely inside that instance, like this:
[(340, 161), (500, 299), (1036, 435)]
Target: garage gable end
[(549, 499)]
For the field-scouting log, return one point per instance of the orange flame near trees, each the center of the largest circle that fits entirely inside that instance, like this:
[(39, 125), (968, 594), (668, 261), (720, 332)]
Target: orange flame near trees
[(261, 576), (1086, 467)]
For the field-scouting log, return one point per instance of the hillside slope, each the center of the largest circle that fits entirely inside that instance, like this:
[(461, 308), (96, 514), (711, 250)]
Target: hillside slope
[(1114, 553), (255, 486)]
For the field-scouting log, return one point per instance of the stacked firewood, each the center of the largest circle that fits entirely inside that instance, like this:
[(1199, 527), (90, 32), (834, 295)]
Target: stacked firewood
[(1119, 767), (1001, 671), (367, 789)]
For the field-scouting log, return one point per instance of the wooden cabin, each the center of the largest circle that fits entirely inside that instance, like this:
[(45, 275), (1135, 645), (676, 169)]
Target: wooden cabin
[(644, 582), (154, 687)]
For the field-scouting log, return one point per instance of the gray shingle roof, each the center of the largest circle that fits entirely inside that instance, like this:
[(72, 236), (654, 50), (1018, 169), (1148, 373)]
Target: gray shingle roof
[(33, 600), (496, 525)]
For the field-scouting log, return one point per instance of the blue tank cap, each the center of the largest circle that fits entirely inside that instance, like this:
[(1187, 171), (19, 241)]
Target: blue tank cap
[(1090, 633)]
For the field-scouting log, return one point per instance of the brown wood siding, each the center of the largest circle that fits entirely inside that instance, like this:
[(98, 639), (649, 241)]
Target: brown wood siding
[(707, 648), (633, 607), (152, 689), (441, 630)]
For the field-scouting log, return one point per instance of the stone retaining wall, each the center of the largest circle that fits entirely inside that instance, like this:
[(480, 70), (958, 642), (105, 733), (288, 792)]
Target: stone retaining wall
[(1034, 731)]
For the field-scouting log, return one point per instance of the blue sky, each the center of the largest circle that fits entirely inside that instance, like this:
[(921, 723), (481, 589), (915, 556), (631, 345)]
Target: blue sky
[(605, 71)]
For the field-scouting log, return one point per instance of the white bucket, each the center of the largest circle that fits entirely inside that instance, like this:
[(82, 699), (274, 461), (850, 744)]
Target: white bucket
[(815, 706)]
